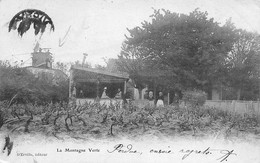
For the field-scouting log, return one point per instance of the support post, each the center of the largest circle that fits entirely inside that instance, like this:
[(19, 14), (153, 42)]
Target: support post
[(125, 87), (221, 91), (98, 88), (154, 89), (168, 96), (71, 83)]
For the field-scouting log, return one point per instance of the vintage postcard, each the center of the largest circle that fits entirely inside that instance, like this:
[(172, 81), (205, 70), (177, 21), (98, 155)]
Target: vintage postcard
[(160, 81)]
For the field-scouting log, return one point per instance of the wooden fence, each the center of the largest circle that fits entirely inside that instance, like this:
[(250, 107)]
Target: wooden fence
[(240, 107)]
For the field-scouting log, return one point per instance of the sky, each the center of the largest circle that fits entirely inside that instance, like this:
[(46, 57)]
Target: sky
[(98, 27)]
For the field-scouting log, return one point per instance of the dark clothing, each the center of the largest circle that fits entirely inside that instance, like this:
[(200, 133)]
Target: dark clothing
[(145, 96), (176, 99), (151, 101), (160, 98)]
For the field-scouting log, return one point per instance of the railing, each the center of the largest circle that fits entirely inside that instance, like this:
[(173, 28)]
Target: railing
[(240, 107)]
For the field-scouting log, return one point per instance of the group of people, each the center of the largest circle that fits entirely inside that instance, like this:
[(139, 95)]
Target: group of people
[(150, 96)]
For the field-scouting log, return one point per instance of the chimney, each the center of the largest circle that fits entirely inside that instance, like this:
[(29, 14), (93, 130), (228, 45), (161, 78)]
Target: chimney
[(84, 58)]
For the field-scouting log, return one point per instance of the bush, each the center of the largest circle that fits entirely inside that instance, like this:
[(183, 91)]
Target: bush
[(194, 97), (18, 85)]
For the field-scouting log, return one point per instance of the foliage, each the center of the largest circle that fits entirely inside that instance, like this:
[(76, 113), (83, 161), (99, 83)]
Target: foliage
[(194, 97), (78, 63), (189, 50), (243, 64), (100, 67), (131, 62), (18, 85), (64, 67)]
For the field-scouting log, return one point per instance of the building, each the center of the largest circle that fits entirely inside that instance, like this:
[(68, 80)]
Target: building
[(42, 58), (42, 66), (92, 85)]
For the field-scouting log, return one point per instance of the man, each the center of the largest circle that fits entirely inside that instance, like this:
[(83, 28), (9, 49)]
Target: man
[(151, 98), (176, 99), (146, 94)]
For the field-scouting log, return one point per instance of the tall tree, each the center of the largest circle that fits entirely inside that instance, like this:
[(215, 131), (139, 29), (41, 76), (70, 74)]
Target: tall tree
[(64, 67), (131, 61), (244, 62), (190, 49)]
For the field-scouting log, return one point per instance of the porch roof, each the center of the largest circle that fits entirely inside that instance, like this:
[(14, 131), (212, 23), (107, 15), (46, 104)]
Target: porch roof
[(82, 74)]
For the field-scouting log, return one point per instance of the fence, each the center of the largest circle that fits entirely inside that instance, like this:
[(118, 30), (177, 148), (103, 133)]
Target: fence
[(240, 107)]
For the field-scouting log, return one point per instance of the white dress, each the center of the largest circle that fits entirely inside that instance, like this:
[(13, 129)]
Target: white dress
[(159, 103), (104, 95)]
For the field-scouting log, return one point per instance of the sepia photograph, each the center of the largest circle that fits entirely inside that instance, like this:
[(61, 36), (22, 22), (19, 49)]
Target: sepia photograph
[(124, 81)]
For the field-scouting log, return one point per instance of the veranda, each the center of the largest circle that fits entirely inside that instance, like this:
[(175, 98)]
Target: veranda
[(96, 86)]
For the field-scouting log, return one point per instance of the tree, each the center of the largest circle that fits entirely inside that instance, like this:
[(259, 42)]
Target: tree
[(111, 65), (100, 67), (64, 67), (131, 61), (243, 64), (189, 49)]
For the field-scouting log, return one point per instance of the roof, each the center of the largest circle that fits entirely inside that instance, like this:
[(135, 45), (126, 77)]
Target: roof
[(100, 72), (56, 72)]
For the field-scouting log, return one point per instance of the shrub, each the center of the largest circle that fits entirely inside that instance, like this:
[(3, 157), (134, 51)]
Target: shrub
[(194, 97), (18, 85)]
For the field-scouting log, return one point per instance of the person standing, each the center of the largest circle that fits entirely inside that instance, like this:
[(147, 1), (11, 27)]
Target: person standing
[(146, 96), (118, 94), (81, 95), (160, 100), (176, 99), (151, 98)]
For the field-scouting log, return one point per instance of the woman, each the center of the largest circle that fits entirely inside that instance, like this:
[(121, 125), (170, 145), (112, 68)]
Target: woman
[(160, 102), (104, 94)]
